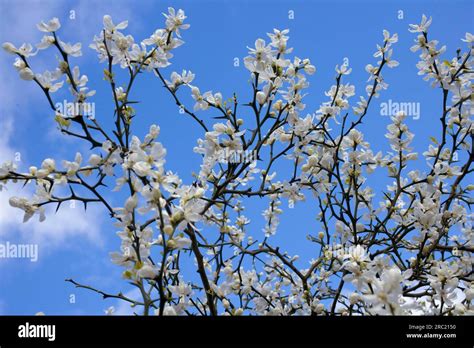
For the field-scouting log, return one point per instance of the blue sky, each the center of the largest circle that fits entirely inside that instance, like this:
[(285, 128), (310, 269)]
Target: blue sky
[(74, 244)]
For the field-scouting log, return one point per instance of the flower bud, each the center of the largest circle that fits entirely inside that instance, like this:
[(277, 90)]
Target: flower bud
[(27, 74), (95, 160), (9, 47), (354, 298), (261, 97), (168, 229), (171, 244)]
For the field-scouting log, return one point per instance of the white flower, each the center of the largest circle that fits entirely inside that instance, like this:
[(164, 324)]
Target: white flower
[(6, 168), (279, 40), (131, 203), (46, 41), (109, 24), (469, 38), (259, 56), (26, 50), (49, 165), (343, 70), (83, 93), (142, 168), (181, 290), (357, 254), (148, 271), (158, 38), (153, 133), (168, 310), (29, 208), (47, 78), (354, 138), (185, 78), (354, 298), (309, 69), (121, 259), (174, 20), (95, 160), (49, 27), (73, 167), (422, 27), (201, 104), (387, 38), (178, 243), (386, 293), (389, 61), (72, 50)]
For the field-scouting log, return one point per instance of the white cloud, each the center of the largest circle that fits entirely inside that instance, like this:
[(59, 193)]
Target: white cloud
[(57, 229), (89, 15)]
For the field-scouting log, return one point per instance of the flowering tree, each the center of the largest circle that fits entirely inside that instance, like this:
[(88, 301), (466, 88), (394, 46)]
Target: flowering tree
[(410, 253)]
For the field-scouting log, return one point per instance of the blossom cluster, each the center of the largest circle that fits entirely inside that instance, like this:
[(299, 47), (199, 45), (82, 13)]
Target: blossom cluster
[(408, 250)]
